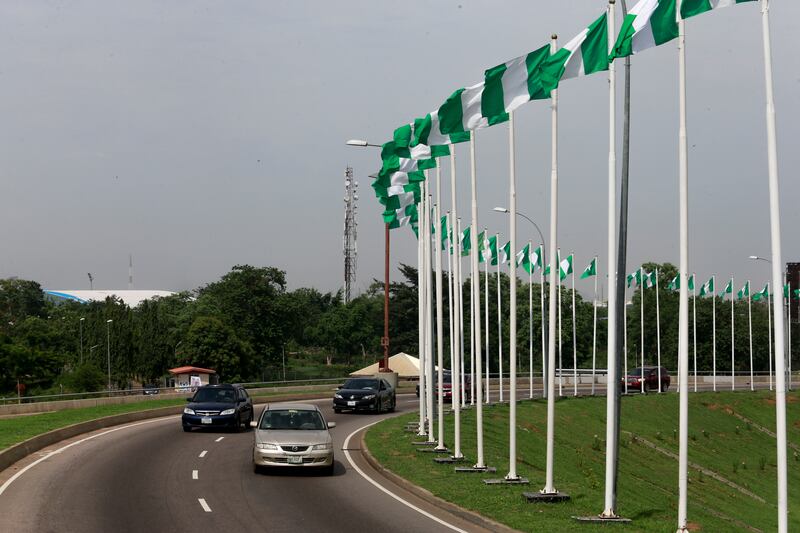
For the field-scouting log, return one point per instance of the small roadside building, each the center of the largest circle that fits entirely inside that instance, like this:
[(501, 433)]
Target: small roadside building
[(185, 378)]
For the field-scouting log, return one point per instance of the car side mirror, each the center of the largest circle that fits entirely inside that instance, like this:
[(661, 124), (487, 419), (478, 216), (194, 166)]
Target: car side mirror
[(331, 425), (253, 424), (189, 399)]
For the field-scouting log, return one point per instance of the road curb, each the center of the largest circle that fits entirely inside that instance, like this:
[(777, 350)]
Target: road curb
[(428, 496), (19, 451)]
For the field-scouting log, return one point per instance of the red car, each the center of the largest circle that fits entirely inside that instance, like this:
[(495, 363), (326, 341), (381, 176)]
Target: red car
[(447, 386), (648, 374)]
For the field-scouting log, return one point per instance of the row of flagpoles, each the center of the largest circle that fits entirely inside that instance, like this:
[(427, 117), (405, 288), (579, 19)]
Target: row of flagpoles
[(402, 186)]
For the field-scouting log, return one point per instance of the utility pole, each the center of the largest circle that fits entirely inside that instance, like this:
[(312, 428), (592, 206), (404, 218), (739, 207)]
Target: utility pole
[(350, 247)]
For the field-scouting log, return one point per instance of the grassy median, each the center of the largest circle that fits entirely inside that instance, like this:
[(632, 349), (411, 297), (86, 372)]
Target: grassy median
[(725, 445)]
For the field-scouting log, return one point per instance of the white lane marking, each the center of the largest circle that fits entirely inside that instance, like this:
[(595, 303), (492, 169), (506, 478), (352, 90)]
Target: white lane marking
[(203, 453), (204, 505), (219, 439), (387, 491), (13, 478), (194, 474)]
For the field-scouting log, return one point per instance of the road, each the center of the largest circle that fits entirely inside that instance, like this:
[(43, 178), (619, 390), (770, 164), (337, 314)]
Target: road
[(151, 476)]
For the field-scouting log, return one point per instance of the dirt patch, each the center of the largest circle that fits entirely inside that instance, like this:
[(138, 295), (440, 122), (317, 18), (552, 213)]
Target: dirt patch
[(769, 401), (694, 526), (713, 406), (530, 427)]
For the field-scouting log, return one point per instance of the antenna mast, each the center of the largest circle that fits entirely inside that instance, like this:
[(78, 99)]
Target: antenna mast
[(350, 248)]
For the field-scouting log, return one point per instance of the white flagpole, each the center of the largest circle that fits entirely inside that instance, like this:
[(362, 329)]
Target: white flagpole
[(733, 343), (499, 323), (612, 380), (574, 335), (694, 329), (777, 262), (683, 327), (769, 335), (512, 269), (714, 333), (625, 341), (486, 311), (471, 345), (429, 314), (530, 323), (439, 310), (449, 233), (560, 346), (477, 304), (641, 322), (750, 326), (549, 488), (789, 332), (594, 326), (544, 342), (462, 337), (421, 316), (455, 369), (658, 335)]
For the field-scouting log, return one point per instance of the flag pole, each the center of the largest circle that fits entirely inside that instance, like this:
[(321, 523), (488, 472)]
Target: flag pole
[(476, 306), (683, 327), (549, 489), (439, 311), (471, 340), (530, 323), (594, 327), (750, 326), (789, 331), (449, 233), (625, 343), (658, 336), (421, 318), (458, 310), (641, 322), (769, 335), (574, 335), (429, 313), (499, 324), (612, 381), (460, 353), (486, 311), (714, 333), (777, 261), (694, 328), (544, 342), (560, 344), (512, 268), (733, 343)]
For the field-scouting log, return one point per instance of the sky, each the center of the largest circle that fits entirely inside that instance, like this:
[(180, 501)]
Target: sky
[(198, 135)]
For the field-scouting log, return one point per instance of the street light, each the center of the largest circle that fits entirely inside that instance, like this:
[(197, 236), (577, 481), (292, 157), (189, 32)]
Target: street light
[(108, 351), (383, 366), (505, 210), (80, 322), (757, 258)]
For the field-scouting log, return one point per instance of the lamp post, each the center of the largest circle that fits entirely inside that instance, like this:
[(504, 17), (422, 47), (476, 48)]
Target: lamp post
[(108, 352), (383, 366), (80, 323), (541, 237)]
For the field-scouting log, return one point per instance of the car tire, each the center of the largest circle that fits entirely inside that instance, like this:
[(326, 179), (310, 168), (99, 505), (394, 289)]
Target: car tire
[(238, 428), (664, 387), (337, 410), (328, 470), (257, 469), (646, 387), (392, 405), (187, 428)]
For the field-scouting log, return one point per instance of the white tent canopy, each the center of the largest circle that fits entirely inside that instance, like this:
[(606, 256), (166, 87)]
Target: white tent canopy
[(406, 366)]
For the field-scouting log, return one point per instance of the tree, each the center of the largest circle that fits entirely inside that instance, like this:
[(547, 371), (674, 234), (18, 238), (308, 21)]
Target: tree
[(212, 344)]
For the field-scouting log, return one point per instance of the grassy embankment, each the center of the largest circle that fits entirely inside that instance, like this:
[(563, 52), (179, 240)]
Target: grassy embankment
[(720, 442)]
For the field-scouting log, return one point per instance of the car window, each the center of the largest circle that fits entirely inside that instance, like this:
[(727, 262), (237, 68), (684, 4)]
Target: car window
[(361, 384), (215, 395), (292, 419)]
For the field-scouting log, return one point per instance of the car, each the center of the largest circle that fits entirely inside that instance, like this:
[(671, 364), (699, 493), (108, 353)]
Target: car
[(365, 394), (218, 406), (149, 389), (447, 386), (293, 435), (650, 373)]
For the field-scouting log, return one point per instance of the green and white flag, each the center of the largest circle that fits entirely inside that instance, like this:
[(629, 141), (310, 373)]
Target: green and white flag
[(524, 259), (649, 280), (466, 241), (504, 89), (728, 288), (634, 277), (707, 287), (590, 270), (565, 267), (426, 134), (505, 253), (786, 292), (480, 240), (796, 293), (691, 282), (690, 8), (403, 137), (489, 250), (586, 54), (649, 23), (536, 258), (675, 283), (761, 294), (744, 292)]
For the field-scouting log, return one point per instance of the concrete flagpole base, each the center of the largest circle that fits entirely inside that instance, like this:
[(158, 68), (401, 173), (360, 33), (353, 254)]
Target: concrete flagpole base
[(474, 469), (545, 497), (600, 519), (433, 450), (505, 481), (449, 460), (423, 443)]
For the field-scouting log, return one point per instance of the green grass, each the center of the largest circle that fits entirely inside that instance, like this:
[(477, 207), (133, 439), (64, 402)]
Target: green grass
[(648, 479)]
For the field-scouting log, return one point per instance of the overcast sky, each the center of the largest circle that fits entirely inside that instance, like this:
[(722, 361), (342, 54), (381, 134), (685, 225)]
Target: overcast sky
[(197, 135)]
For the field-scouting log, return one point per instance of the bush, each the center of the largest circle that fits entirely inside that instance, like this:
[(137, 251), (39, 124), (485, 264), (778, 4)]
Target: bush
[(86, 378)]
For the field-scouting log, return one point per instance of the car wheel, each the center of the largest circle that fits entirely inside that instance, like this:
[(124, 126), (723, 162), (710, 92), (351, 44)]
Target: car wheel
[(392, 405), (238, 427), (187, 428), (337, 410), (328, 470), (257, 469), (664, 387), (646, 387)]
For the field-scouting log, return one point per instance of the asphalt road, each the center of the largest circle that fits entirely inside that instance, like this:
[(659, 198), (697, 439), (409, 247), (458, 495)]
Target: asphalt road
[(151, 476)]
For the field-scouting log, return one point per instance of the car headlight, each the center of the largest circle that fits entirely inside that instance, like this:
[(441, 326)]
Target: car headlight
[(228, 412), (188, 411), (338, 396), (369, 397), (266, 446), (326, 446)]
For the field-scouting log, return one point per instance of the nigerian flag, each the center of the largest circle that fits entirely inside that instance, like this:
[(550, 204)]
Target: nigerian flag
[(707, 287), (466, 241), (761, 294), (590, 270), (505, 253), (565, 267), (744, 292), (524, 259), (649, 23), (649, 280), (635, 277), (426, 137), (691, 282), (480, 240), (504, 89), (796, 293), (675, 283), (690, 8), (728, 288), (489, 250), (586, 54), (786, 292), (536, 257)]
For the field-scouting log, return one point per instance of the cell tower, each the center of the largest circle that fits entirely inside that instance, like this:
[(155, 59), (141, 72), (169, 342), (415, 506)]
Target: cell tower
[(350, 247)]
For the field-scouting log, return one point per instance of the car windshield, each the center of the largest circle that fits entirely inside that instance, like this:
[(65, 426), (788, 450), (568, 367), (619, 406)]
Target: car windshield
[(215, 395), (360, 384), (635, 372), (291, 419)]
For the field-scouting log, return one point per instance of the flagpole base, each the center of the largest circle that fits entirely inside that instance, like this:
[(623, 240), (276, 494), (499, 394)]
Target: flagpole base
[(475, 469), (602, 519), (507, 481), (433, 450), (449, 460), (423, 443), (545, 497)]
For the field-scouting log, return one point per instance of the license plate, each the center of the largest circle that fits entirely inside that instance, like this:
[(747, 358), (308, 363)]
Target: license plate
[(205, 420), (295, 460), (351, 403)]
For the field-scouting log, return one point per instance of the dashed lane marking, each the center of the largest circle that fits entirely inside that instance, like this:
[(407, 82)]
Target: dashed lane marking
[(203, 453), (194, 474), (204, 505), (219, 439)]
